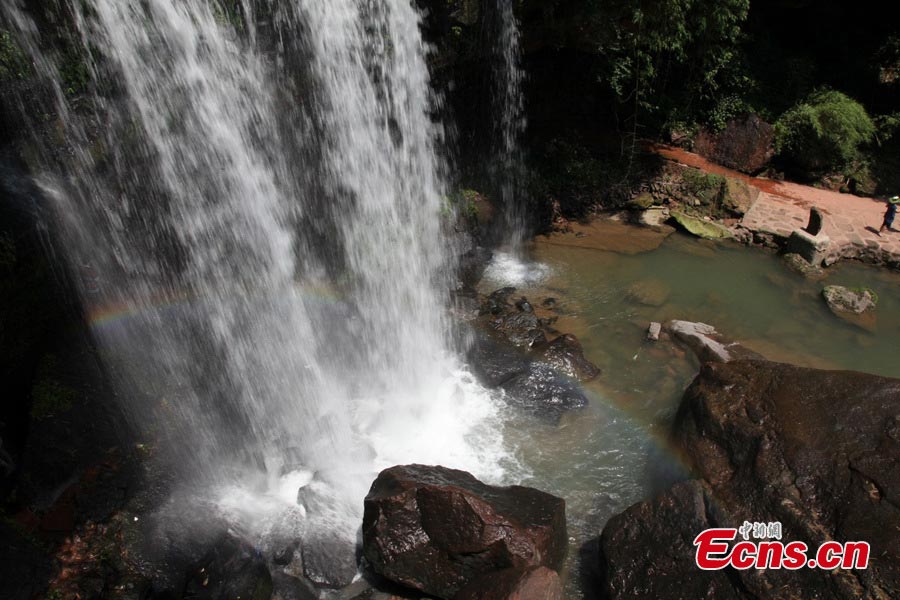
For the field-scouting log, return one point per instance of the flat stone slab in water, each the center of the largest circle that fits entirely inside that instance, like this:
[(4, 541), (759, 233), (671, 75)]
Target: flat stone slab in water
[(609, 236)]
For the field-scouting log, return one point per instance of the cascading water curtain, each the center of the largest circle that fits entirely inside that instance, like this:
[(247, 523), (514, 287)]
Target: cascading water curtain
[(508, 108), (255, 191)]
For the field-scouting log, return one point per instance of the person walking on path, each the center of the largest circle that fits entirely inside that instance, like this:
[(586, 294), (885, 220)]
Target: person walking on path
[(890, 214)]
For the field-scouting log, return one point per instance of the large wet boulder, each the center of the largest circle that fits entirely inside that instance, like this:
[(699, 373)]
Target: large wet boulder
[(438, 530), (817, 451), (543, 392), (329, 560), (566, 355), (746, 144), (509, 347), (542, 383), (523, 583), (648, 550)]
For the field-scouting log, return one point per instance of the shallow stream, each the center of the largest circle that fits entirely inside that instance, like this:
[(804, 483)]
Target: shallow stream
[(614, 453)]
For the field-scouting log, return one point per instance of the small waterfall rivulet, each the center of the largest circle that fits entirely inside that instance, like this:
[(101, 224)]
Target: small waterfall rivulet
[(508, 109), (510, 265), (251, 193)]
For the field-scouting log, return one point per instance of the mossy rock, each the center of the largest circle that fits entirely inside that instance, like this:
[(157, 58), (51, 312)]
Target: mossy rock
[(642, 202), (800, 265), (841, 299), (706, 188), (739, 196), (708, 230)]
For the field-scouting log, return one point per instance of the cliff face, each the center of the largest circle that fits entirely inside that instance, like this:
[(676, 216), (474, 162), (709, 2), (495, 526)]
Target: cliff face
[(818, 451)]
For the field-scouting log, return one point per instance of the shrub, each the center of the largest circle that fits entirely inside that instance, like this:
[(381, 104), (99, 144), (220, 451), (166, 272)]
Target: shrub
[(13, 63), (823, 133)]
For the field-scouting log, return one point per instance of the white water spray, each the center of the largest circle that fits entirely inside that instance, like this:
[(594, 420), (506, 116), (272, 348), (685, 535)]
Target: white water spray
[(267, 245)]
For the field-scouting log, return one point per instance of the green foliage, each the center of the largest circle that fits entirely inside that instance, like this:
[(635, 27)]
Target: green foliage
[(707, 187), (74, 73), (13, 62), (229, 13), (461, 202), (823, 133), (886, 127), (50, 397), (688, 45), (727, 109), (863, 290)]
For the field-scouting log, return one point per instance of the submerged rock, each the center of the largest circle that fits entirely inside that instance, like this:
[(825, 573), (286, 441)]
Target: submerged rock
[(650, 292), (437, 530), (800, 265), (817, 451), (845, 300)]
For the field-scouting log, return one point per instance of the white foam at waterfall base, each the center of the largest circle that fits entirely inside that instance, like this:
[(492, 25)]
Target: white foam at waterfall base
[(460, 426), (512, 269)]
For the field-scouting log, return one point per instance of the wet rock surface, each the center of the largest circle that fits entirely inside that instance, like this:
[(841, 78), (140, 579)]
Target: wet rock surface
[(541, 391), (845, 300), (439, 530), (665, 568), (329, 561), (514, 349), (230, 569), (817, 451), (526, 583), (529, 385), (566, 355), (707, 343)]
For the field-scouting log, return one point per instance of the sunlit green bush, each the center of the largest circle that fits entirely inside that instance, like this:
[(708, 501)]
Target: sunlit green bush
[(823, 133)]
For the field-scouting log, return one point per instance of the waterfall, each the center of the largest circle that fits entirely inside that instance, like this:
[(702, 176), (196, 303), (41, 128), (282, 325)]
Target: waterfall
[(251, 194), (508, 109)]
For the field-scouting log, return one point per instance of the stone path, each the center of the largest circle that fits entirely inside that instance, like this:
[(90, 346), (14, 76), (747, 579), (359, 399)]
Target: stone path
[(851, 221)]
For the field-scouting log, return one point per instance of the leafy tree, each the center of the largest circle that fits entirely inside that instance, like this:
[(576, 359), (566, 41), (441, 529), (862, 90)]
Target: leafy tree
[(823, 133), (672, 55)]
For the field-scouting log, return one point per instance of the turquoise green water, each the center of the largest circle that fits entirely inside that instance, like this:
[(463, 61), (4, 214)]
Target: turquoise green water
[(605, 458)]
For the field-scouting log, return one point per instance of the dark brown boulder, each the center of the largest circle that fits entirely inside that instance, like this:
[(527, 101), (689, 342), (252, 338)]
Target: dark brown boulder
[(566, 355), (532, 386), (525, 583), (437, 530), (745, 144), (648, 549), (817, 451)]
